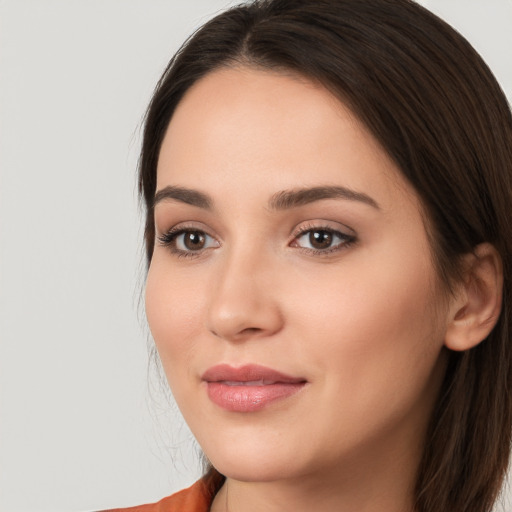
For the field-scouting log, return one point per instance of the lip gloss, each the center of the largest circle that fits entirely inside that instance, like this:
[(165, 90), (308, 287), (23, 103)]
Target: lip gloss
[(249, 388)]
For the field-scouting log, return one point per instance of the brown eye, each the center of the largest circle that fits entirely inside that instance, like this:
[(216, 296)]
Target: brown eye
[(320, 239), (194, 240), (188, 241)]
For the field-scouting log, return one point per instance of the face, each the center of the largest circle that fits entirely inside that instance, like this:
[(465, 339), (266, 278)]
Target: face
[(291, 295)]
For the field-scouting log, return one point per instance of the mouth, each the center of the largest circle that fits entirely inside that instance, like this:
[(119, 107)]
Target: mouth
[(249, 388)]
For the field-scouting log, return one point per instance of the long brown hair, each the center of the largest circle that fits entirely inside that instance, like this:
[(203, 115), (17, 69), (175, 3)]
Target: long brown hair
[(435, 107)]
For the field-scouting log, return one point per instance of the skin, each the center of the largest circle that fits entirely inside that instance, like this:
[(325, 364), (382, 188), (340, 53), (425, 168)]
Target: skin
[(363, 321)]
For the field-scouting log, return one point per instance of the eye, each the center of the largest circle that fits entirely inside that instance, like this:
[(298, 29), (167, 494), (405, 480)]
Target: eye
[(191, 241), (186, 242), (322, 240)]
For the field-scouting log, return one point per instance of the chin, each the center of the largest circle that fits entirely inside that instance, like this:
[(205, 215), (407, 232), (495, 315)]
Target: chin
[(253, 461), (253, 471)]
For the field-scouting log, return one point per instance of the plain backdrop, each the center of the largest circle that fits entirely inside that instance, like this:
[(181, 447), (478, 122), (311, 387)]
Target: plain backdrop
[(84, 424)]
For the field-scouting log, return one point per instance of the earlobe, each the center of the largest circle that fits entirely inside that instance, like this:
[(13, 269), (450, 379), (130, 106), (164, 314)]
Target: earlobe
[(477, 304)]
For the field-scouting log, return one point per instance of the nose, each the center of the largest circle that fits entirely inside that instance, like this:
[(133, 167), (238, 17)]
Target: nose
[(243, 301)]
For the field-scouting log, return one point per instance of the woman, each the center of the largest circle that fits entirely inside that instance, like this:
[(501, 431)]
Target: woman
[(328, 190)]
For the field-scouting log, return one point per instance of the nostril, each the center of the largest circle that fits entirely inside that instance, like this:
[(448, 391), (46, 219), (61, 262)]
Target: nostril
[(247, 332), (240, 316), (251, 330)]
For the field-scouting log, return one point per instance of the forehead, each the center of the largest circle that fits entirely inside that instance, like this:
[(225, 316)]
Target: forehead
[(264, 129)]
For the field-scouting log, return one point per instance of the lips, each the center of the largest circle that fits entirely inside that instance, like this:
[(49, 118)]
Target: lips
[(249, 388)]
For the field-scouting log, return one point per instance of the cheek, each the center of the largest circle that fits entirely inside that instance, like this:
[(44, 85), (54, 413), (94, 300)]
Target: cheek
[(173, 305), (372, 321), (372, 341)]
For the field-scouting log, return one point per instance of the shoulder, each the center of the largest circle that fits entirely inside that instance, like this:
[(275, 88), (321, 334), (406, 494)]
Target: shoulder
[(196, 498)]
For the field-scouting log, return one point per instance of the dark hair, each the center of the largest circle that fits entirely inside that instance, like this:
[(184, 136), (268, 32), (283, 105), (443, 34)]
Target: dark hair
[(435, 107)]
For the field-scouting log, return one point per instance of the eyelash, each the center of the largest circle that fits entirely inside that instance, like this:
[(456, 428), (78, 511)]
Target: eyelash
[(169, 238), (346, 240)]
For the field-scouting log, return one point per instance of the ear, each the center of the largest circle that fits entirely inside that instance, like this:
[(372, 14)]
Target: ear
[(477, 303)]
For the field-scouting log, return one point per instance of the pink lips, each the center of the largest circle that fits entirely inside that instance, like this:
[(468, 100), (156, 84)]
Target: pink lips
[(248, 388)]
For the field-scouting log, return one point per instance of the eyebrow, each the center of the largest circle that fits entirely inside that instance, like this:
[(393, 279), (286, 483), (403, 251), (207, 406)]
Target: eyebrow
[(184, 195), (301, 196), (283, 200)]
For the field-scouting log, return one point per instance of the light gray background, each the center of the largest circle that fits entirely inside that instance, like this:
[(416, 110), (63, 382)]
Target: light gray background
[(79, 429)]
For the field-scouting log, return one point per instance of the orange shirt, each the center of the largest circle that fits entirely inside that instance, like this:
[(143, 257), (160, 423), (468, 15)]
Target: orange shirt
[(196, 498)]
